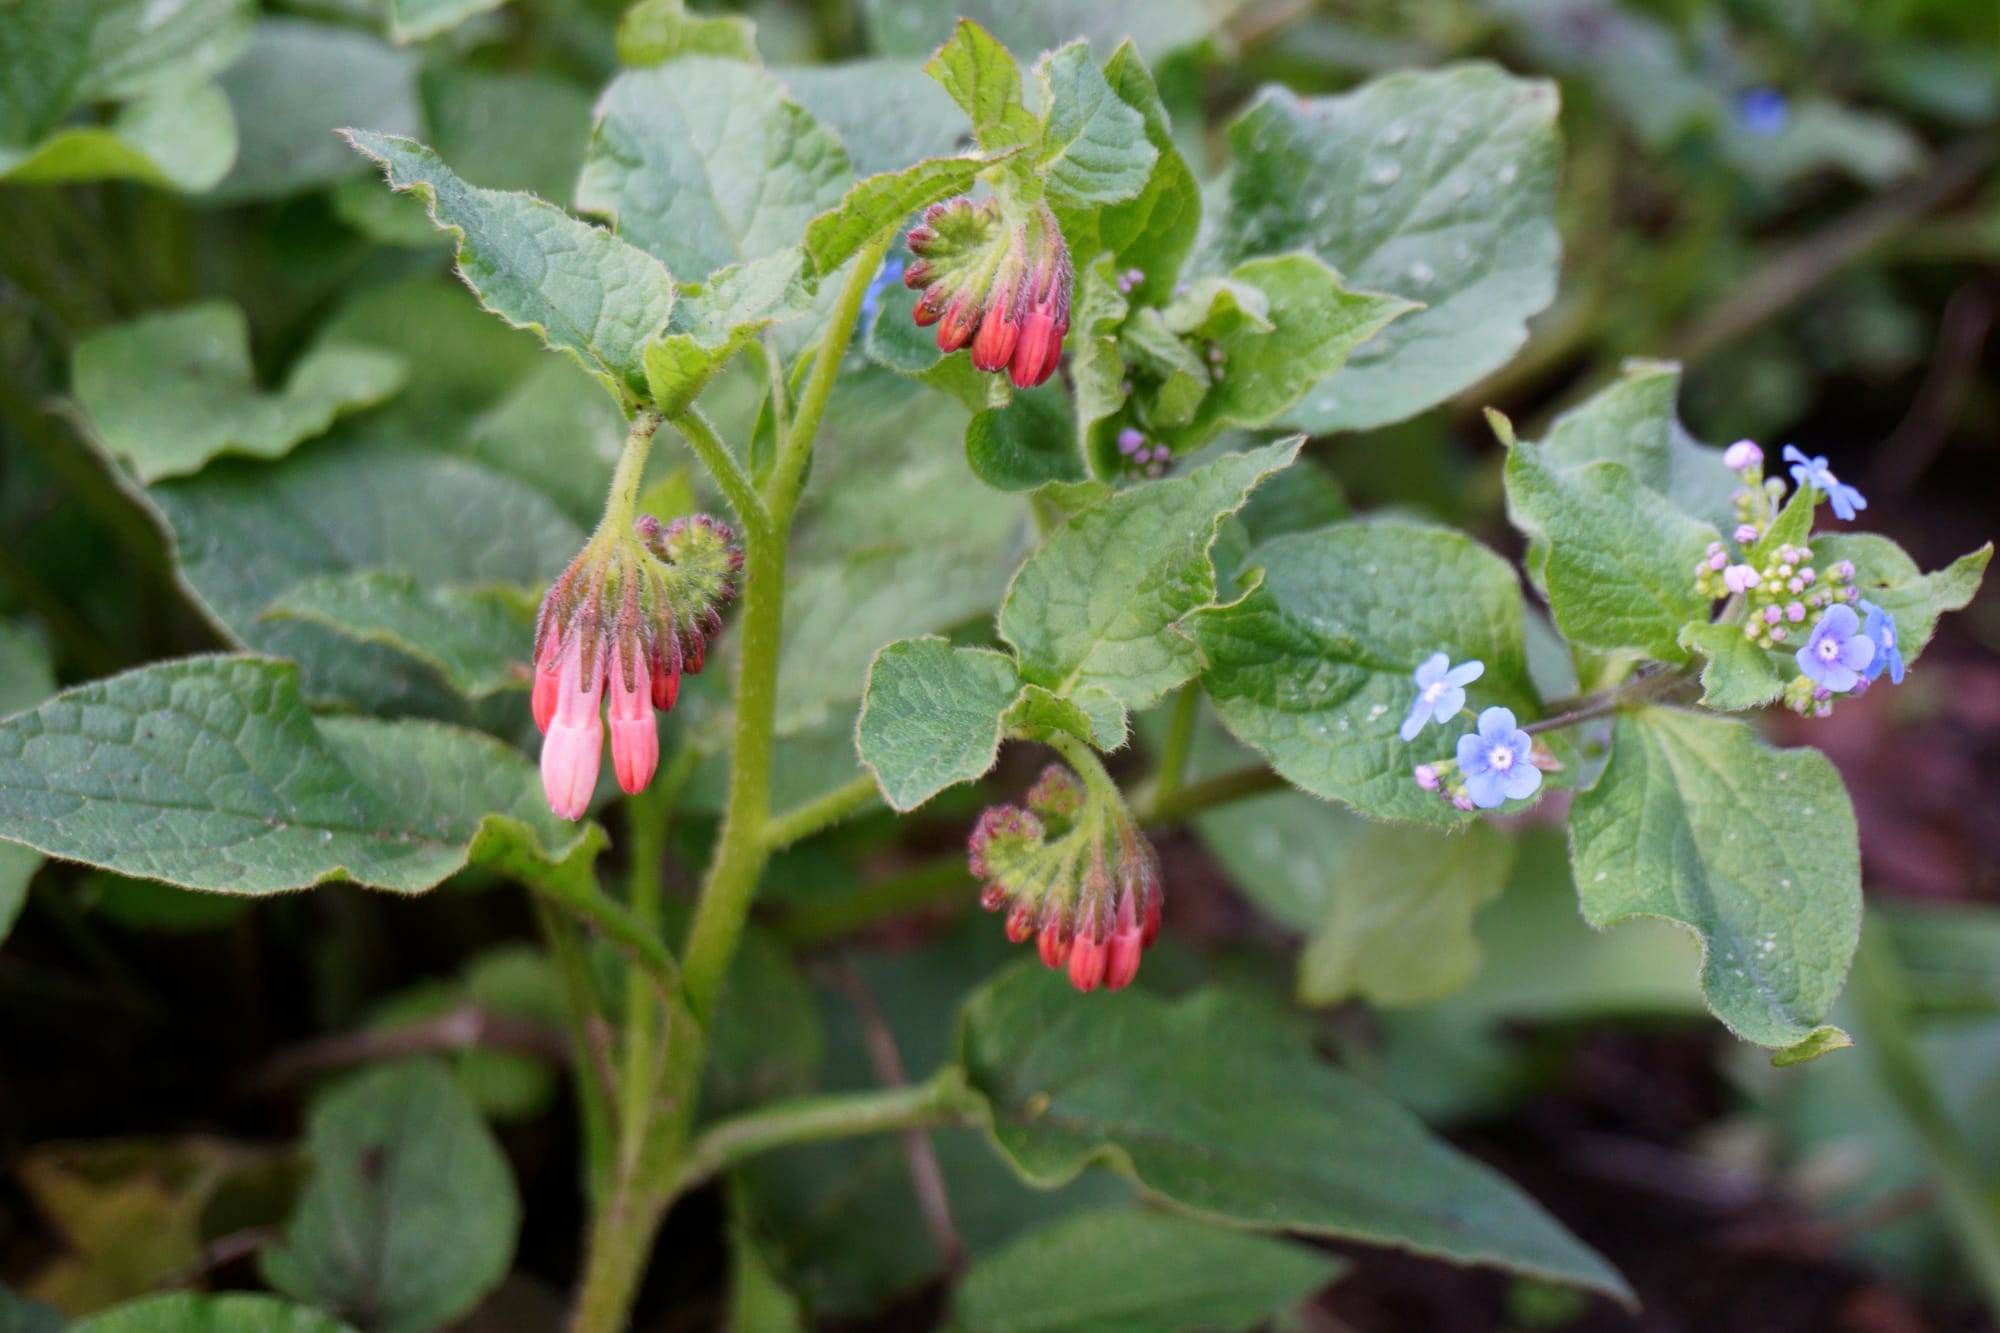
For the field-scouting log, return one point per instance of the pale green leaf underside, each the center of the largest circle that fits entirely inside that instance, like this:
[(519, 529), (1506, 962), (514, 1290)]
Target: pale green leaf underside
[(1213, 1105), (1315, 666), (1696, 820), (582, 289), (169, 391), (177, 138), (931, 717), (411, 1213), (1437, 186), (476, 638), (209, 773), (1098, 603), (1129, 1270)]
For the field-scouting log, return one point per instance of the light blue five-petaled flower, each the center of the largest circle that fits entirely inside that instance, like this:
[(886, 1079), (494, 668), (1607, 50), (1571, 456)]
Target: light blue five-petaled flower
[(1497, 760), (1815, 473), (1440, 691), (1879, 627), (1838, 652)]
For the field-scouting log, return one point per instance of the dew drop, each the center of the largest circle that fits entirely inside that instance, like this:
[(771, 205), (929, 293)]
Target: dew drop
[(1386, 174), (1422, 274), (1508, 173)]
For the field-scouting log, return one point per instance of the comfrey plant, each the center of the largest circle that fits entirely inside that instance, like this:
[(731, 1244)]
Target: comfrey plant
[(1011, 443)]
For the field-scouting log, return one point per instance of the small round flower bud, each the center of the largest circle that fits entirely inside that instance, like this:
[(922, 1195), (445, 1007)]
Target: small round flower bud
[(1742, 454), (1427, 777), (1746, 533)]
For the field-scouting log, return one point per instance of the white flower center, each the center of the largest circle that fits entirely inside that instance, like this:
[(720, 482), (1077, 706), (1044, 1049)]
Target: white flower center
[(1500, 758), (1433, 692), (1828, 650)]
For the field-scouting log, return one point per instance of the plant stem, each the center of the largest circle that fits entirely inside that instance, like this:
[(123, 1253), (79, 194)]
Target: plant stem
[(707, 445), (593, 1095), (1172, 771), (648, 818), (623, 931), (781, 493), (621, 506), (1222, 789), (1882, 1004), (940, 1100), (1650, 682), (821, 813)]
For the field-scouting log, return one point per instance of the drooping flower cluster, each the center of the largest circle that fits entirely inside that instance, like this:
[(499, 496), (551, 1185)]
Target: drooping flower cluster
[(616, 631), (1779, 596), (1494, 763), (998, 284), (1074, 871)]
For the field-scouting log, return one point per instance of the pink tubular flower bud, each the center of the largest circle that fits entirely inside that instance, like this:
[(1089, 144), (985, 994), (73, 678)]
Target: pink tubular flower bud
[(635, 740), (575, 743), (1742, 454), (1046, 320)]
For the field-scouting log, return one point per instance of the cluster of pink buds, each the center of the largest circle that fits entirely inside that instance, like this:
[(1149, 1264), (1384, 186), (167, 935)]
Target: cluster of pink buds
[(1000, 286), (616, 632), (1076, 874)]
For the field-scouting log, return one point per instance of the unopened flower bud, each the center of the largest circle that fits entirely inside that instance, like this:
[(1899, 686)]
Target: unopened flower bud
[(1741, 455), (1000, 287)]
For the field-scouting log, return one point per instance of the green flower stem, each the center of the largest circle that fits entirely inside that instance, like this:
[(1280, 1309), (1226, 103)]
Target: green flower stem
[(623, 931), (648, 818), (1877, 988), (821, 813), (1222, 789), (941, 1100), (580, 1013), (1172, 771), (706, 445), (1652, 681), (781, 492), (621, 506)]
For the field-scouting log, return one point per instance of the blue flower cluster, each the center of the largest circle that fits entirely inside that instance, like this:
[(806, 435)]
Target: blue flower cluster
[(1495, 762)]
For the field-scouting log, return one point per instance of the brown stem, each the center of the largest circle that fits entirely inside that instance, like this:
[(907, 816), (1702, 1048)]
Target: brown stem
[(468, 1027)]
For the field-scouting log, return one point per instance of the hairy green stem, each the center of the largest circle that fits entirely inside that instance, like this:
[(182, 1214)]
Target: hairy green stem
[(706, 445), (942, 1099), (581, 1014), (619, 927), (648, 817), (821, 813), (1878, 989), (1172, 770), (1222, 789)]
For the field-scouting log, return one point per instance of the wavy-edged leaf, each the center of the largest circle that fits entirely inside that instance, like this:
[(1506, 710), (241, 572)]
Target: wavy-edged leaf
[(582, 289), (931, 717)]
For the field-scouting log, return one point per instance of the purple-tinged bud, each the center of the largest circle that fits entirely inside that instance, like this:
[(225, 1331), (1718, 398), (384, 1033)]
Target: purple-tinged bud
[(1842, 572), (1057, 794), (1772, 615), (1739, 578), (1427, 777), (1130, 441), (1718, 561), (1046, 319), (1795, 613), (1462, 801), (1742, 454), (1746, 533), (1779, 634)]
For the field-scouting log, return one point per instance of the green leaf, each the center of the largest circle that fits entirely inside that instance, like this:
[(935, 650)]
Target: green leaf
[(1286, 851), (1887, 576), (931, 717), (1398, 927), (1090, 715), (715, 323), (229, 1312), (507, 131), (416, 20), (706, 163), (476, 638), (1632, 421), (169, 391), (1437, 186), (246, 534), (25, 680), (983, 78), (1314, 665), (178, 138), (582, 289), (297, 84), (1154, 231), (1132, 1271), (1097, 360), (411, 1215), (654, 32), (209, 773), (1132, 1080), (1314, 324), (60, 55), (1097, 604), (889, 113), (1026, 444), (1620, 558), (1094, 148), (1697, 821), (878, 203), (1161, 27), (1735, 673)]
